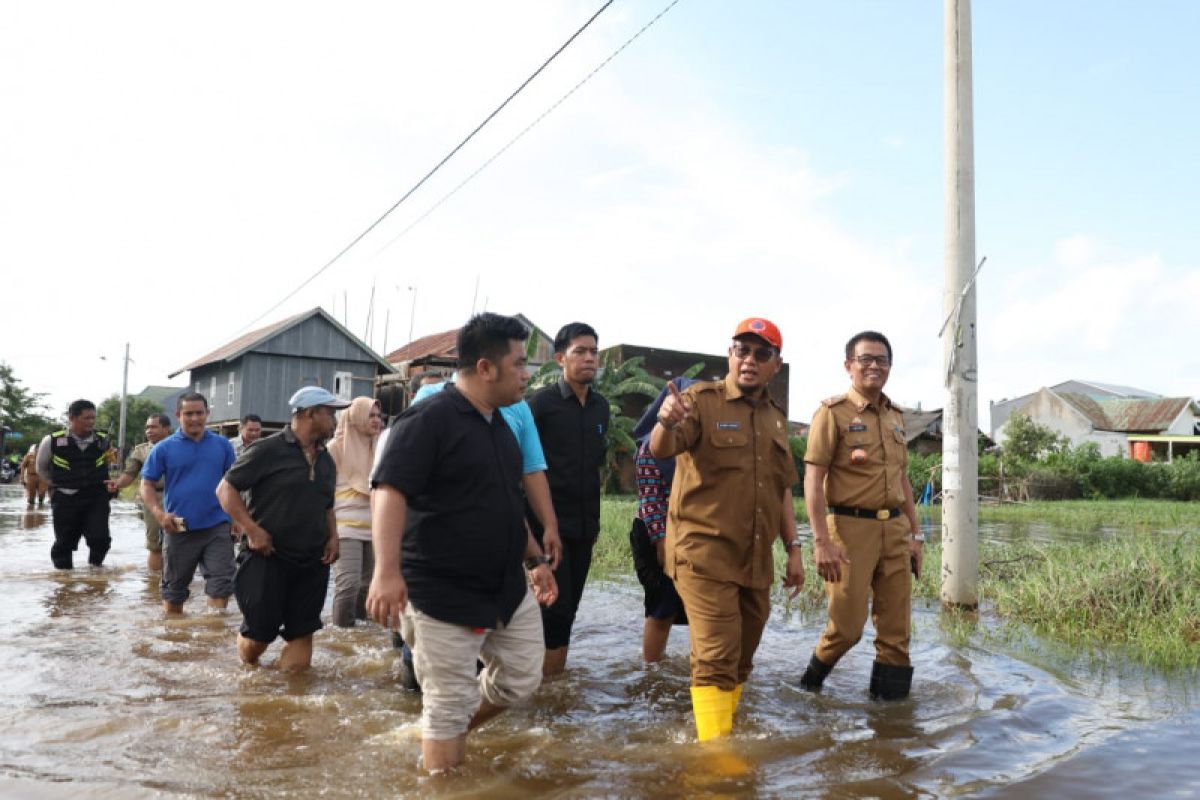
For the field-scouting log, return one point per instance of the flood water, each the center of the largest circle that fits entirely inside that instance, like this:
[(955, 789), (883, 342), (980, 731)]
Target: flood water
[(104, 698)]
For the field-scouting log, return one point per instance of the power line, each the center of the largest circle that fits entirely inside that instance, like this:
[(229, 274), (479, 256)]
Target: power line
[(527, 128), (436, 167)]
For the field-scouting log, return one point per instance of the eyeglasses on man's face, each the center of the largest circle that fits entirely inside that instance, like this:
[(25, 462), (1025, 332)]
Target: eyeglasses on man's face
[(761, 354), (868, 360)]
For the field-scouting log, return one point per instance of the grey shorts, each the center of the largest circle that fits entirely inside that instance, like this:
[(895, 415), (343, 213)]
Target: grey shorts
[(210, 549), (444, 657)]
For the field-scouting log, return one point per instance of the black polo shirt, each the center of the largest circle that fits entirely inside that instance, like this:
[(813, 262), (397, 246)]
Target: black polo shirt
[(286, 496), (573, 439), (464, 536)]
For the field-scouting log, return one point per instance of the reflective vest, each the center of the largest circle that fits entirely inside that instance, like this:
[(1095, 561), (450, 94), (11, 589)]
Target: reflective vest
[(72, 468)]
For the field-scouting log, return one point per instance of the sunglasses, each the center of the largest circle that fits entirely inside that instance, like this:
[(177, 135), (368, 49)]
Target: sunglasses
[(761, 354)]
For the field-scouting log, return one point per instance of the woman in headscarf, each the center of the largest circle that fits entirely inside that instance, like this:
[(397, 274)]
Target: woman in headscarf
[(353, 450)]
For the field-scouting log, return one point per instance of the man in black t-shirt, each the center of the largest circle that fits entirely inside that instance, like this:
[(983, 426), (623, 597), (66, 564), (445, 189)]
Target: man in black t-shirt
[(572, 422), (450, 541), (291, 535)]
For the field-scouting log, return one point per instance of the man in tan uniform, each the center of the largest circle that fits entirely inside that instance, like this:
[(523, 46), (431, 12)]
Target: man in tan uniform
[(158, 427), (865, 532), (730, 499), (35, 486)]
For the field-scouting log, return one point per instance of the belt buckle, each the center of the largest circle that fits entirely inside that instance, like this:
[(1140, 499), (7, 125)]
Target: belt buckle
[(883, 513)]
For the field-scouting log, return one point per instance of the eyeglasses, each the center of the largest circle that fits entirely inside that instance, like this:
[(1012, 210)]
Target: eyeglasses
[(761, 354), (866, 361)]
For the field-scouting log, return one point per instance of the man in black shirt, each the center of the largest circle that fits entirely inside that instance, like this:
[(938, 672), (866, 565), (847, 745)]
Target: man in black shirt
[(572, 422), (450, 541), (291, 535)]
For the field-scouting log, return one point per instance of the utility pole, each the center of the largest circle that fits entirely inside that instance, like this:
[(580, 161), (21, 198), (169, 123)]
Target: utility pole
[(124, 402), (412, 313), (960, 446)]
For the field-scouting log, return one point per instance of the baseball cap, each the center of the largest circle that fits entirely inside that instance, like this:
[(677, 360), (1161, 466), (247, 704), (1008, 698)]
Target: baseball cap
[(763, 329), (310, 396)]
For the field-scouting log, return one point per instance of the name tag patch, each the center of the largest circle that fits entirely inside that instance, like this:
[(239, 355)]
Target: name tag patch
[(729, 426), (856, 427)]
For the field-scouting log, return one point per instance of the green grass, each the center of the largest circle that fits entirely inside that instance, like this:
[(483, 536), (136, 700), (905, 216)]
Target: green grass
[(1136, 593)]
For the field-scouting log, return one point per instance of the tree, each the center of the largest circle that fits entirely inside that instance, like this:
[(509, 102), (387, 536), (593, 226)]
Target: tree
[(1026, 440), (137, 409), (22, 412)]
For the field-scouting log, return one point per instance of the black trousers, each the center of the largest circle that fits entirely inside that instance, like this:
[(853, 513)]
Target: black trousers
[(571, 575), (84, 514)]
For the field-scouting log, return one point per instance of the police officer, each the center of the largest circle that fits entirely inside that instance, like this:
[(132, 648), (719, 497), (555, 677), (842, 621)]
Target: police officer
[(730, 499), (865, 532), (74, 461)]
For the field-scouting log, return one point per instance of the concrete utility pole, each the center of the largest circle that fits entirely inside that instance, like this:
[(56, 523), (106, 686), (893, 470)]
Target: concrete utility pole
[(124, 402), (960, 448)]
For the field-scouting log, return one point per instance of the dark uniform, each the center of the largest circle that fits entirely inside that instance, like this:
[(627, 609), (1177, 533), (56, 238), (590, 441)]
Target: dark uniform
[(865, 450), (732, 469), (573, 439), (82, 510)]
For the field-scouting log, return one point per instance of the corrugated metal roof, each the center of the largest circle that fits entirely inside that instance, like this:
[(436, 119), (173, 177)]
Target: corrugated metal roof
[(917, 423), (1144, 416), (441, 345), (1128, 416), (244, 343)]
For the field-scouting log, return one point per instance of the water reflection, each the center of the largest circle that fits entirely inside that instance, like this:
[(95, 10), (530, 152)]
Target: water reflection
[(104, 696)]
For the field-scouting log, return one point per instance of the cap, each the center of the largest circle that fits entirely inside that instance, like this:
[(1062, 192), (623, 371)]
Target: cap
[(310, 396), (762, 328)]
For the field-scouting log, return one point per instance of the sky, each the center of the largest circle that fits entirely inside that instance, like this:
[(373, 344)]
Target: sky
[(170, 172)]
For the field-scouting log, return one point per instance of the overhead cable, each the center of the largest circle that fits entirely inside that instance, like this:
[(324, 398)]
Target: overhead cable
[(431, 172)]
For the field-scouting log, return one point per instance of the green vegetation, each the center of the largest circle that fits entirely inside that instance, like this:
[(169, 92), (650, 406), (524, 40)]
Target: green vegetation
[(1136, 592), (1038, 464), (137, 410), (22, 412)]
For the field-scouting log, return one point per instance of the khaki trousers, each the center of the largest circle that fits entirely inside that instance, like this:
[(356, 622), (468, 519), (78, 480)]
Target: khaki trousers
[(879, 574), (725, 623)]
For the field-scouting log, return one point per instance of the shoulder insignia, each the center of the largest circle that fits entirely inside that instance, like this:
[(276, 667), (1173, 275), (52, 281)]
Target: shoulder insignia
[(833, 401)]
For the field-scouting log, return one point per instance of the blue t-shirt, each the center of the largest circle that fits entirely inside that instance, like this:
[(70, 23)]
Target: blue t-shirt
[(192, 471), (520, 421)]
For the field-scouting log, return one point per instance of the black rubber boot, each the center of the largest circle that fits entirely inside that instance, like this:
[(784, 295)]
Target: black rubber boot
[(889, 682), (815, 675)]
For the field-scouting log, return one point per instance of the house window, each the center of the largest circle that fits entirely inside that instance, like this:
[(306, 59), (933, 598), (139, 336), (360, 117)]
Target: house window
[(212, 389), (229, 393), (197, 387), (342, 385)]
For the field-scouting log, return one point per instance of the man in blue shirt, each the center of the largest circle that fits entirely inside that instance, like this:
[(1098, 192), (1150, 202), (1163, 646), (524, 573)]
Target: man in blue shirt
[(192, 462)]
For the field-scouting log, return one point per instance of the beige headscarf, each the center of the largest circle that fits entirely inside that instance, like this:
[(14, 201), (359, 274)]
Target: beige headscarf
[(353, 447)]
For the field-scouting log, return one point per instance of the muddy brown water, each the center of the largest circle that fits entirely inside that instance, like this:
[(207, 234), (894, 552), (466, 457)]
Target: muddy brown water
[(104, 698)]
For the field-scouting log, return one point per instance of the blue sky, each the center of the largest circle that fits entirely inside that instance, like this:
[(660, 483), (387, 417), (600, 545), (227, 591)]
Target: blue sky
[(171, 172)]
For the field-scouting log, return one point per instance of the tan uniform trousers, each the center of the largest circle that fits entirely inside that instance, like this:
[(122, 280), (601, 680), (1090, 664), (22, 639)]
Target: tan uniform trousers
[(725, 623), (879, 566)]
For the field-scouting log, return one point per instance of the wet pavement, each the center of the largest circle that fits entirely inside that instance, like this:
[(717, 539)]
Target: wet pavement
[(103, 697)]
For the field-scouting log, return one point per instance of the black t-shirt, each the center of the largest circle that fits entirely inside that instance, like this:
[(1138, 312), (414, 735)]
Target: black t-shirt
[(464, 536), (286, 497), (573, 439)]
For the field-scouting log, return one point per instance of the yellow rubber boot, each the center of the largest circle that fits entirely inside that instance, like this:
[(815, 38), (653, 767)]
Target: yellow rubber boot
[(713, 712), (737, 696)]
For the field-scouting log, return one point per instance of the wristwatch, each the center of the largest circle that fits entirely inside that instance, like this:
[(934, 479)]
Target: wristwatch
[(533, 562), (796, 543), (917, 537)]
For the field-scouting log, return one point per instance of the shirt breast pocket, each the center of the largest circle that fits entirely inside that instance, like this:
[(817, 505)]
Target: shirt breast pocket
[(728, 448)]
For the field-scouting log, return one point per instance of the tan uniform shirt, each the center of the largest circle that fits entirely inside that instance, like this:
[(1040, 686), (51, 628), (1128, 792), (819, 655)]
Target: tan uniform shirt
[(846, 423), (733, 466), (137, 460)]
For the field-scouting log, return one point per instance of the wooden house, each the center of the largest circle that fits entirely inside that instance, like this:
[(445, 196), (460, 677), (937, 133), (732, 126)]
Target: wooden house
[(258, 372)]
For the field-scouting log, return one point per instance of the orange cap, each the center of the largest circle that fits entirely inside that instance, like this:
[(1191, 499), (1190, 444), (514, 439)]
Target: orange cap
[(763, 329)]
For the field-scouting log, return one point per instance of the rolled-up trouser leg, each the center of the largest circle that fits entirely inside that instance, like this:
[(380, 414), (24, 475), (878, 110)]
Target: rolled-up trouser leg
[(512, 657)]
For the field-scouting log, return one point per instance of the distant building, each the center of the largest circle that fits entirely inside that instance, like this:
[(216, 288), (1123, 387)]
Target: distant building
[(258, 372), (1001, 410), (1165, 426), (438, 352)]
